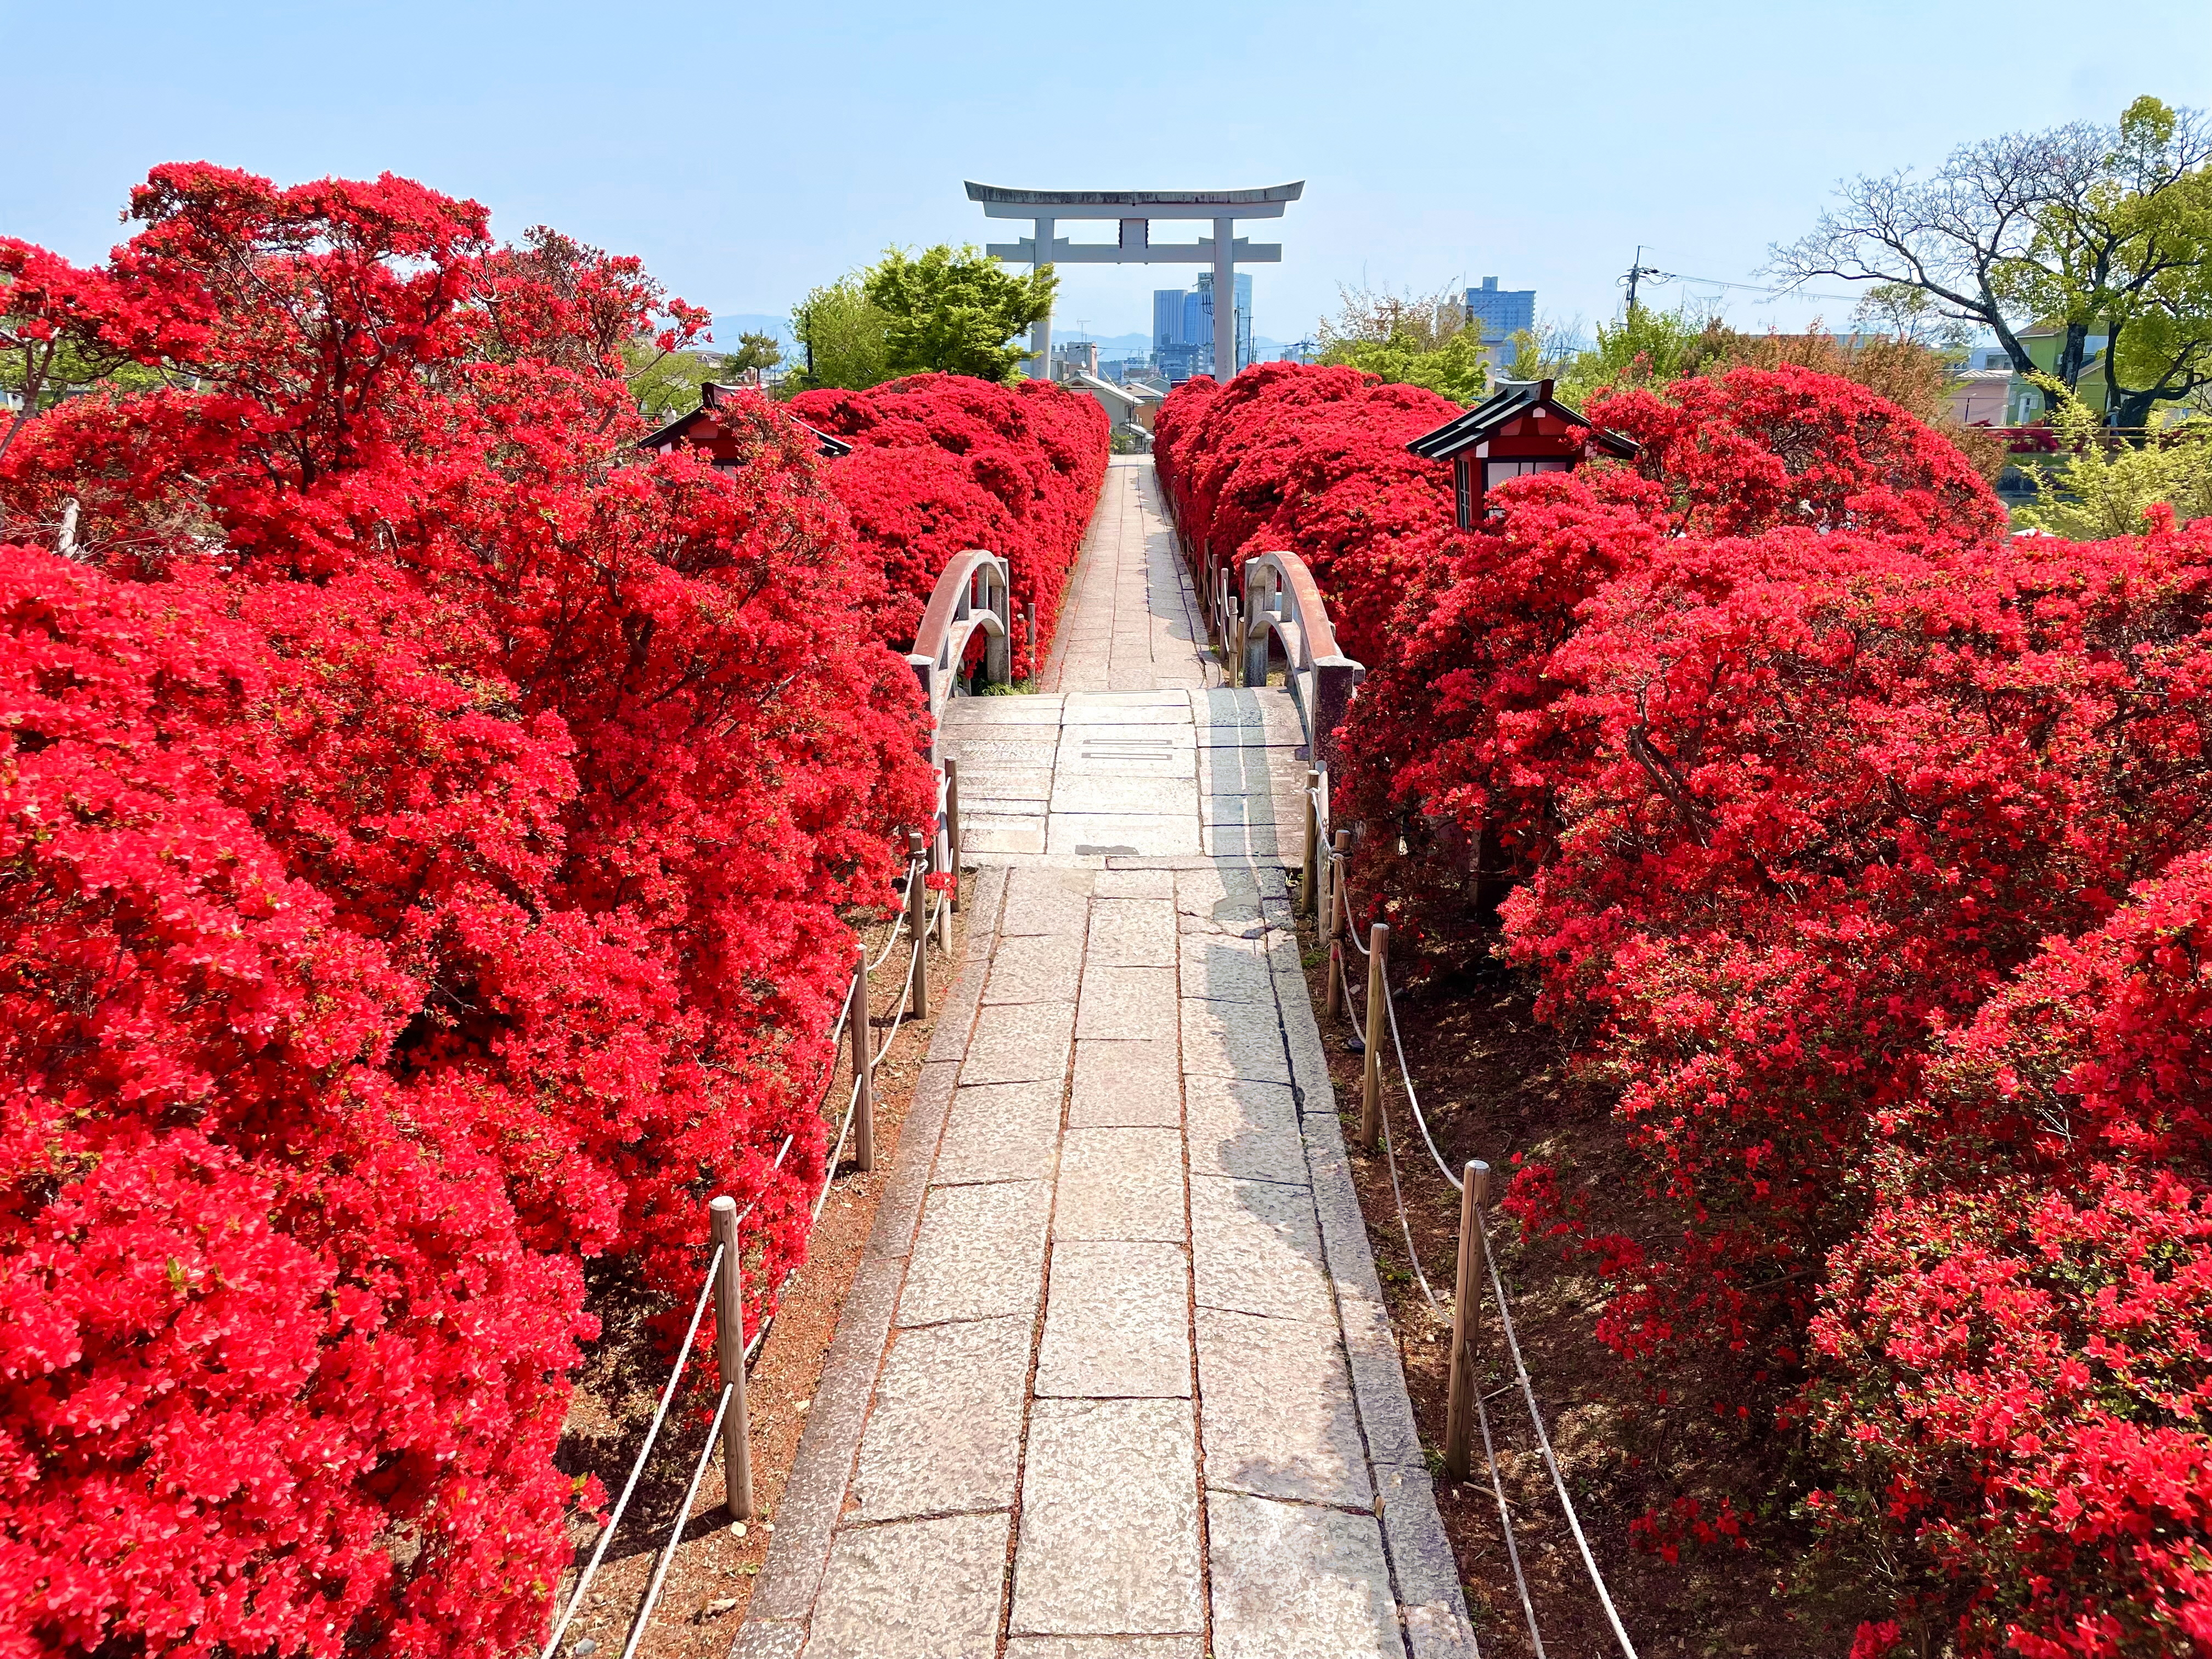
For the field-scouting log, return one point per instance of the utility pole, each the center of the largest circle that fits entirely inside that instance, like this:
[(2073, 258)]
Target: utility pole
[(1636, 270)]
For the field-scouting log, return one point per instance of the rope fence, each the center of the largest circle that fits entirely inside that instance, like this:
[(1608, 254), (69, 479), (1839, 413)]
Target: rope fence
[(1251, 599), (921, 915), (1327, 895)]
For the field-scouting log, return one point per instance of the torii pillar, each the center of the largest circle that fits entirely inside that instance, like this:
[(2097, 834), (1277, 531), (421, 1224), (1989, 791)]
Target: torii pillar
[(1135, 210)]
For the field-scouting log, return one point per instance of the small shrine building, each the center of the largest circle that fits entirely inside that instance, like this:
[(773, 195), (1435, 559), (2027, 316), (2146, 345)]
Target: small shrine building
[(1519, 430)]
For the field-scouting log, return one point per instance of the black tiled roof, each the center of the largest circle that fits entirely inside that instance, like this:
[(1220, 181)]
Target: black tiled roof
[(1499, 409)]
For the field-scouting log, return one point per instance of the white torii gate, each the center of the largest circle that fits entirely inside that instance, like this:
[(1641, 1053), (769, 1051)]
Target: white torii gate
[(1136, 208)]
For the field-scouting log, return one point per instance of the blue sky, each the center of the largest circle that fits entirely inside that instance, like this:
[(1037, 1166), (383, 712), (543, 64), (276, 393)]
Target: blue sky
[(749, 151)]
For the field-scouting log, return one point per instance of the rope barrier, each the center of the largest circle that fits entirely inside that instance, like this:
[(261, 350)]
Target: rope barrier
[(660, 1416), (1544, 1442), (1505, 1524), (1497, 1292), (676, 1533)]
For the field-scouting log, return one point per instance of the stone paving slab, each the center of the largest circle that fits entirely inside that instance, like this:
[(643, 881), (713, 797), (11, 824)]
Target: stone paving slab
[(1121, 1184), (978, 748), (1100, 834), (980, 785), (979, 1253), (913, 1590), (1279, 1420), (1104, 1647), (1126, 1465), (997, 832), (1084, 791), (1233, 1039), (1043, 968), (945, 1432), (1047, 901), (1000, 1131), (1117, 1322), (1125, 1085), (1134, 884), (1254, 1249), (968, 715), (1294, 1582), (1020, 1043), (1223, 967), (1132, 932), (1128, 1004), (1244, 1130)]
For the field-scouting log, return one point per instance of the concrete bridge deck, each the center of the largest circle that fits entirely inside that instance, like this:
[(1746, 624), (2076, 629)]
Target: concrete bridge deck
[(1115, 1380)]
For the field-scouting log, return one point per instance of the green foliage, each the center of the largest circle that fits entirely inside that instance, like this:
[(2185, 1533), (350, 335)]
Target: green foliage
[(754, 351), (1454, 369), (40, 368), (845, 337), (665, 383), (1645, 347), (955, 310), (2103, 492), (1411, 338)]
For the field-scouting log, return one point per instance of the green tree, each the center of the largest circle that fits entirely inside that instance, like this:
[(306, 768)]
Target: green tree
[(2070, 227), (1415, 338), (754, 351), (845, 336), (1646, 347), (2100, 493), (955, 310), (665, 383)]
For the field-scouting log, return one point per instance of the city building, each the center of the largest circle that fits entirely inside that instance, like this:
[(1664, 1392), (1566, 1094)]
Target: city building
[(1500, 313), (1183, 327)]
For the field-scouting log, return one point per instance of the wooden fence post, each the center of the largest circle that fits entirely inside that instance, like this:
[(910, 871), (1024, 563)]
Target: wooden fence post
[(1333, 999), (1237, 653), (1466, 1321), (864, 1079), (730, 1354), (917, 925), (1378, 992)]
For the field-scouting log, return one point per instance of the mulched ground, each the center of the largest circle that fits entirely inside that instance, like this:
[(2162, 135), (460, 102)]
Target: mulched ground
[(711, 1578), (1494, 1082)]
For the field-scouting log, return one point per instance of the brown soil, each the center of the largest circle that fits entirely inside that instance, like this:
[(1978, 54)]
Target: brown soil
[(711, 1579), (1494, 1082)]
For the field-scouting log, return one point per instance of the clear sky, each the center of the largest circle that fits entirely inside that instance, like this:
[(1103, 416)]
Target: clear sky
[(749, 151)]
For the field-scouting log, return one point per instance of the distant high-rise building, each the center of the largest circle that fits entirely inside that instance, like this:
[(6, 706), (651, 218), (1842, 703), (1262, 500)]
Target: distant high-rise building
[(1500, 313), (1167, 318)]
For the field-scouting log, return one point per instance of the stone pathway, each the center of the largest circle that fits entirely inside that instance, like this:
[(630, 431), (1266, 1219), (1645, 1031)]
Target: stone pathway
[(1114, 1380)]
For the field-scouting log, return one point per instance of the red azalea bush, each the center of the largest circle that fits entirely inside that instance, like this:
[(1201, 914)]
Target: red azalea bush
[(425, 828), (1760, 449), (1820, 799), (1801, 776), (1312, 459), (944, 463), (2013, 1363)]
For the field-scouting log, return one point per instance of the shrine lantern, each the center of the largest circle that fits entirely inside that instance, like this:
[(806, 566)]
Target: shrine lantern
[(707, 427), (1522, 429)]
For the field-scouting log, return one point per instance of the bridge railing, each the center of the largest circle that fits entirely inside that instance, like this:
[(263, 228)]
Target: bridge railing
[(1283, 603), (974, 593)]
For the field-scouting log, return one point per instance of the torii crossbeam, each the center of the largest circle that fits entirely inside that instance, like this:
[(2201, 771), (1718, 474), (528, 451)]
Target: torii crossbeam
[(1135, 210)]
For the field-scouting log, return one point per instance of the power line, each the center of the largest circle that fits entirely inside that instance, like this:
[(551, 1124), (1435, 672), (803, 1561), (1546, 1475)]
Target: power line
[(1639, 270)]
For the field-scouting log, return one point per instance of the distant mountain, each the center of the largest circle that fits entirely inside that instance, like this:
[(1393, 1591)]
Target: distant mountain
[(1109, 345), (727, 327)]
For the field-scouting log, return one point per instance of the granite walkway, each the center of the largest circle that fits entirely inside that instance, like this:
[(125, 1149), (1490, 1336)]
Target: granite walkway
[(1114, 1380)]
